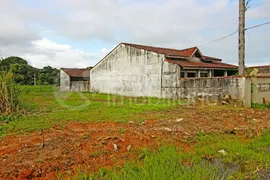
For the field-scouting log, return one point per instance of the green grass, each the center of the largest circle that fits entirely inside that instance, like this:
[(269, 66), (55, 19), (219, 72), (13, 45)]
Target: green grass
[(243, 158), (165, 163), (45, 107), (30, 89), (260, 106), (238, 150)]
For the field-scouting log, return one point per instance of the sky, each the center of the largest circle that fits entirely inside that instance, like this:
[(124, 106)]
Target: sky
[(78, 33)]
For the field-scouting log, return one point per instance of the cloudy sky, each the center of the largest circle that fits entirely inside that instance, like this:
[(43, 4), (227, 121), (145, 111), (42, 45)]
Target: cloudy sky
[(78, 33)]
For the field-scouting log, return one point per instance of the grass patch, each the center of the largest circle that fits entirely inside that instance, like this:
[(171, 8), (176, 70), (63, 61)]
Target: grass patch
[(238, 151), (165, 163), (46, 107), (260, 106), (31, 89)]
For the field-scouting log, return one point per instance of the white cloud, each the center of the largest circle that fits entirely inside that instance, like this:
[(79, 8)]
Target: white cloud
[(60, 55), (47, 45)]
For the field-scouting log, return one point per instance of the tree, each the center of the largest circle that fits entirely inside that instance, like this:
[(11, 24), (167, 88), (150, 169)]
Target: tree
[(7, 62), (24, 73), (49, 75)]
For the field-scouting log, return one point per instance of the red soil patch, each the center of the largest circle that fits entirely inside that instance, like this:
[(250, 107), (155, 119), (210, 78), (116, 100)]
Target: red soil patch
[(88, 147)]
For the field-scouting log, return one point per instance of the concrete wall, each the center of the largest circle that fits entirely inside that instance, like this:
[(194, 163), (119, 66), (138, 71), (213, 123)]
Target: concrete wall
[(64, 81), (128, 71), (261, 89), (209, 88), (170, 75), (79, 86)]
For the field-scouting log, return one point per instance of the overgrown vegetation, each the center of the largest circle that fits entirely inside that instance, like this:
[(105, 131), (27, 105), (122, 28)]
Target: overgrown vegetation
[(243, 160), (9, 93)]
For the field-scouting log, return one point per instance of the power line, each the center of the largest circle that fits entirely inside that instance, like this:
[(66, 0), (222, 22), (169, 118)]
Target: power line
[(259, 5), (220, 39), (252, 27)]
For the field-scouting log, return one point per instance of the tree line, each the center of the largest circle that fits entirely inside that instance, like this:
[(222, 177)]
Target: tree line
[(25, 74)]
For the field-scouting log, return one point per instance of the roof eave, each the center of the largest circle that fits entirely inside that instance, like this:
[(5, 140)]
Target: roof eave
[(206, 68), (177, 57)]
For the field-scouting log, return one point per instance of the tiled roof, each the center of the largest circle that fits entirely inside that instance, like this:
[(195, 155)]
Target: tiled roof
[(171, 52), (166, 51), (198, 65), (212, 58), (73, 72)]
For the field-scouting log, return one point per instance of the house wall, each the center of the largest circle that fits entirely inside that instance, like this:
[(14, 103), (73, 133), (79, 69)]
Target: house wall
[(128, 71), (64, 81), (79, 86)]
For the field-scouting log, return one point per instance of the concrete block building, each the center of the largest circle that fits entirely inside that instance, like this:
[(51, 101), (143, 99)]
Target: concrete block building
[(72, 79), (139, 70)]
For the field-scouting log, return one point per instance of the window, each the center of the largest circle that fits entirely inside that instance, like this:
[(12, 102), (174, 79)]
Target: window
[(182, 74)]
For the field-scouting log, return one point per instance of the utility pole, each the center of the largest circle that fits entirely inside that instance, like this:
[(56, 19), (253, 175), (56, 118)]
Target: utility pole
[(241, 38)]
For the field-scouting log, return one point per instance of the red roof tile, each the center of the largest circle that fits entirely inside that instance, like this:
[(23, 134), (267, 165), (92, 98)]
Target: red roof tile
[(73, 72), (212, 58), (198, 65), (166, 51)]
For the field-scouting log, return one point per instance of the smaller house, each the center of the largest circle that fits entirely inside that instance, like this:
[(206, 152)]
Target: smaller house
[(72, 79)]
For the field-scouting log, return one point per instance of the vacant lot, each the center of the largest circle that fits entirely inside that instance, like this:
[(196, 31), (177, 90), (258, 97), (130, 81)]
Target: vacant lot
[(84, 136)]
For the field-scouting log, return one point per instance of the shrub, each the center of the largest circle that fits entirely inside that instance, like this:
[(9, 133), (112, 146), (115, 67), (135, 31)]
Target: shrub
[(9, 93)]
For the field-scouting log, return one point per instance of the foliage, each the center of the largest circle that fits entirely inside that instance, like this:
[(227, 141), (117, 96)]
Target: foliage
[(9, 93), (25, 74), (48, 75)]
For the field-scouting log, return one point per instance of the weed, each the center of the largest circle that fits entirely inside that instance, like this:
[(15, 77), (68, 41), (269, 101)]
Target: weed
[(121, 131), (85, 136), (9, 93), (98, 153)]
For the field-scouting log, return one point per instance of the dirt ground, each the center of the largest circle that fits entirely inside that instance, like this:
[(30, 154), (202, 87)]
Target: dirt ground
[(87, 147)]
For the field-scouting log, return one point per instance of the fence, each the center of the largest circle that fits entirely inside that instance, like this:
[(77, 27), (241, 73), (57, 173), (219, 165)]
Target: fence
[(212, 89)]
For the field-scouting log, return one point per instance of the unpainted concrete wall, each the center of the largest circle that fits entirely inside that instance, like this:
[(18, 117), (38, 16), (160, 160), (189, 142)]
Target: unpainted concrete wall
[(209, 88), (64, 81), (261, 89), (128, 71), (79, 86), (170, 75)]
